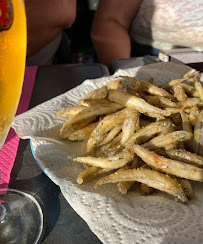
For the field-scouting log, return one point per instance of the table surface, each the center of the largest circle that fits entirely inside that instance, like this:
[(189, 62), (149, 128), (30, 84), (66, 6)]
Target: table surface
[(61, 223)]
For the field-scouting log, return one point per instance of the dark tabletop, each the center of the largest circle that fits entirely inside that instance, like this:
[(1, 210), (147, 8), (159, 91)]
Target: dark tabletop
[(61, 223)]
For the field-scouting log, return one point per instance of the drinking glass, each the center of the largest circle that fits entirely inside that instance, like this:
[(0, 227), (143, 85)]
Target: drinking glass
[(21, 218), (13, 42)]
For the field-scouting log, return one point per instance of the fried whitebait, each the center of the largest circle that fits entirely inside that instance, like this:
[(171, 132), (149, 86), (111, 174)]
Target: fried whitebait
[(90, 112), (149, 177), (83, 133), (198, 88), (138, 103), (92, 102), (179, 92), (69, 112), (125, 186), (89, 173), (148, 87), (167, 139), (148, 132), (129, 125), (188, 75), (187, 188), (113, 162), (185, 156), (169, 166), (99, 93), (105, 125), (198, 135)]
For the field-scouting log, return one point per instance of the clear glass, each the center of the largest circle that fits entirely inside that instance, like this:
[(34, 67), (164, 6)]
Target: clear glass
[(21, 218)]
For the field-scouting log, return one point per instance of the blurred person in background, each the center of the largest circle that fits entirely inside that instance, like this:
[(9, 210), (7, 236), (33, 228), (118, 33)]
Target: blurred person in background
[(46, 21), (122, 29)]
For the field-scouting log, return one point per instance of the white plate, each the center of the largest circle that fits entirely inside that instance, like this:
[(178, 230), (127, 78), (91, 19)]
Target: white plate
[(112, 217)]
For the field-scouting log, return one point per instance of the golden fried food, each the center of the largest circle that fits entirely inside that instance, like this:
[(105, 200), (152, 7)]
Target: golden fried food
[(167, 139), (188, 103), (169, 166), (189, 90), (145, 189), (139, 104), (188, 75), (194, 112), (111, 135), (83, 133), (148, 87), (148, 132), (125, 186), (92, 102), (160, 101), (198, 135), (99, 93), (69, 112), (113, 162), (149, 177), (134, 80), (185, 156), (104, 126), (198, 88), (65, 133), (186, 186), (91, 172), (179, 92), (129, 125), (159, 127), (187, 127), (90, 112), (114, 84), (87, 174)]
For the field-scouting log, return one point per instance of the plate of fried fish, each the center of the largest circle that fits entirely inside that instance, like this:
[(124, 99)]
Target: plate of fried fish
[(127, 152)]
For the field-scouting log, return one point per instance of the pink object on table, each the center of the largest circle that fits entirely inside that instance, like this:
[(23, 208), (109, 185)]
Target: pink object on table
[(10, 147)]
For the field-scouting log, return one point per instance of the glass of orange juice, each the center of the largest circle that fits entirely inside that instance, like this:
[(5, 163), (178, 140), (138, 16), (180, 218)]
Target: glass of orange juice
[(21, 217)]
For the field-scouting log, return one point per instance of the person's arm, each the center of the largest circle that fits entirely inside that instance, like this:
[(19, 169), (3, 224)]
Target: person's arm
[(45, 21), (110, 29)]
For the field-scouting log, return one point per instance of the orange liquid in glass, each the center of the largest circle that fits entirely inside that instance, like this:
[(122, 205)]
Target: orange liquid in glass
[(13, 43)]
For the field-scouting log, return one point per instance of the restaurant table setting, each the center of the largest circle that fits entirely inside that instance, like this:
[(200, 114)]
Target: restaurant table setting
[(112, 217)]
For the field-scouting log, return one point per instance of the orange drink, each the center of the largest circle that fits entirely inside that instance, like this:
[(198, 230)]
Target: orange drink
[(13, 43)]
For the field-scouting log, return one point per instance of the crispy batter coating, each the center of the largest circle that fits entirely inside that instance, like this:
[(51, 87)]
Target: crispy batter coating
[(138, 103), (169, 166), (159, 126), (149, 177)]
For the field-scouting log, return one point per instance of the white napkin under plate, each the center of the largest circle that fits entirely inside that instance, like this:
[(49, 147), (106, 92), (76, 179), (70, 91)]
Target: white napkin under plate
[(114, 218)]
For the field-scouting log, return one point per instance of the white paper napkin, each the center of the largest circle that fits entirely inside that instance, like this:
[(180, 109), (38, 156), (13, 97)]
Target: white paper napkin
[(114, 218)]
